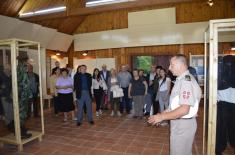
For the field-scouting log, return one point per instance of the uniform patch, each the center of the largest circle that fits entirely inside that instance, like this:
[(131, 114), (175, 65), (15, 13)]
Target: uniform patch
[(187, 78), (186, 95)]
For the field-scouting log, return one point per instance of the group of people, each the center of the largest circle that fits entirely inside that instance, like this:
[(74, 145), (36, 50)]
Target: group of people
[(127, 92), (178, 101)]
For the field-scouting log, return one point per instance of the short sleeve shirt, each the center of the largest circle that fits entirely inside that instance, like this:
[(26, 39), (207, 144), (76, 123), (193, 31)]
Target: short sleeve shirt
[(185, 91), (138, 87), (64, 82)]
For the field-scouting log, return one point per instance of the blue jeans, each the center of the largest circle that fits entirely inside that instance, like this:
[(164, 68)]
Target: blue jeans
[(84, 100), (149, 98)]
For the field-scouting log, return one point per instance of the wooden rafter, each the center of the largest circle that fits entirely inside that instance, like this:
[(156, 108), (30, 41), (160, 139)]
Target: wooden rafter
[(98, 9)]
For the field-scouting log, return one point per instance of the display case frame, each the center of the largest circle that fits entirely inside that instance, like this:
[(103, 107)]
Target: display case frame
[(15, 139)]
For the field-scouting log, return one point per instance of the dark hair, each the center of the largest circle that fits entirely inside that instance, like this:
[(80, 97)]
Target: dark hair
[(54, 70), (164, 80), (98, 76), (78, 68), (83, 66), (64, 70), (135, 70), (159, 67)]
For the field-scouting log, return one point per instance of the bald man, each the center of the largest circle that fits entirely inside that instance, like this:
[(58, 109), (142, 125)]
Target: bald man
[(184, 103)]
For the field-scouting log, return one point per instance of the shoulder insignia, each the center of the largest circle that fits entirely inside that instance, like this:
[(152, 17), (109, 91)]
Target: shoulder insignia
[(187, 78)]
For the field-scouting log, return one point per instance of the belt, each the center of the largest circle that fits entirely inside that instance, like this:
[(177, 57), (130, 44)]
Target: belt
[(187, 118)]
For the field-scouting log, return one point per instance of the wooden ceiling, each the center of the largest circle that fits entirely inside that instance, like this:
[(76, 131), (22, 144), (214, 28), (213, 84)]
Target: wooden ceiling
[(67, 22)]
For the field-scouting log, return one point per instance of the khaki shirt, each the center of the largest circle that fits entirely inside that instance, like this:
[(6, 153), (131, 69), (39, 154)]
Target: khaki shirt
[(186, 91)]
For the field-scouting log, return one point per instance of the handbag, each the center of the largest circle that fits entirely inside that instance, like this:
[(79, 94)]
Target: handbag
[(117, 92)]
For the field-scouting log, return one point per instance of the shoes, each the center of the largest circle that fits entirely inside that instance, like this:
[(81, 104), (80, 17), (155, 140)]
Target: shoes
[(119, 114), (79, 124), (24, 134), (97, 114), (92, 122), (140, 117), (100, 112), (75, 119), (112, 113), (147, 114)]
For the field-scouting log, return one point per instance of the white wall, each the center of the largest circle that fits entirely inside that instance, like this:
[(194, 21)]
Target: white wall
[(94, 63), (159, 28), (152, 17), (48, 38)]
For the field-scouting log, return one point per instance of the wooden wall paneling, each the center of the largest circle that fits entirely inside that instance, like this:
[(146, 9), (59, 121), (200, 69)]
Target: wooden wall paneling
[(104, 21), (124, 55), (11, 7), (34, 5), (185, 12), (189, 12)]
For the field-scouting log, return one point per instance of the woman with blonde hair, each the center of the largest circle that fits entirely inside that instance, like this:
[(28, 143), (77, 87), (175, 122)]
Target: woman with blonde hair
[(115, 101)]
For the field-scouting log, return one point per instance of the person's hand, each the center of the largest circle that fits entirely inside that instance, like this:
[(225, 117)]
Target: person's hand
[(155, 119), (145, 93), (129, 96), (93, 96)]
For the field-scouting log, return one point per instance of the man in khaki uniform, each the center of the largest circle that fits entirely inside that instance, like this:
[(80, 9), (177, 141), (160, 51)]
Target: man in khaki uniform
[(184, 103)]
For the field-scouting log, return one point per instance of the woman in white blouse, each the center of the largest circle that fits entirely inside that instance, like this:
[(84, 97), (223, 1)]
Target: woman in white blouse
[(164, 90), (115, 101), (97, 89)]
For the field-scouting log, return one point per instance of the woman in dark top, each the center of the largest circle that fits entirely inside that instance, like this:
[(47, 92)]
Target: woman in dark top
[(137, 90)]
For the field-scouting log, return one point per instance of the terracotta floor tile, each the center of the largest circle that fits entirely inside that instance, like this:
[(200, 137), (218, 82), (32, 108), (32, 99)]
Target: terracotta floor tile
[(151, 152), (118, 148), (109, 136), (134, 150)]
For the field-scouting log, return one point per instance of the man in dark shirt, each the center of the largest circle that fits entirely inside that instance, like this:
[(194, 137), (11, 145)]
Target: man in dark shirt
[(6, 96), (34, 85), (105, 74), (82, 86)]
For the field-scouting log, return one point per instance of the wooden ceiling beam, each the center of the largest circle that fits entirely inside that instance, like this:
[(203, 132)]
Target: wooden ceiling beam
[(124, 5), (82, 11)]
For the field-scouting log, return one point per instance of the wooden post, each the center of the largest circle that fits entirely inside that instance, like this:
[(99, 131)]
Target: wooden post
[(15, 91)]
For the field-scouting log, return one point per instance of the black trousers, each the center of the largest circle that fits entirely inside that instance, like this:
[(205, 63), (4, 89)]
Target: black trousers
[(98, 94), (225, 129), (1, 108), (55, 103), (35, 105)]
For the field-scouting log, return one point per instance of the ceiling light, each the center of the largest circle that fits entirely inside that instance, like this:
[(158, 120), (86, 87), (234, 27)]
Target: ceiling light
[(233, 48), (57, 53), (210, 3), (44, 11), (104, 2), (85, 53)]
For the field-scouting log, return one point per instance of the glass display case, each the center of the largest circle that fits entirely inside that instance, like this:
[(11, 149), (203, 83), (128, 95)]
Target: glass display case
[(21, 92), (218, 33)]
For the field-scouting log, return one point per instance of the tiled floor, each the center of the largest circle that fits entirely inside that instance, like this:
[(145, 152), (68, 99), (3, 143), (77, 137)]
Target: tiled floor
[(109, 136)]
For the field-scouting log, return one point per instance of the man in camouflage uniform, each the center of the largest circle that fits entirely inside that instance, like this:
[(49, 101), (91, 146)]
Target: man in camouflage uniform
[(24, 92)]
